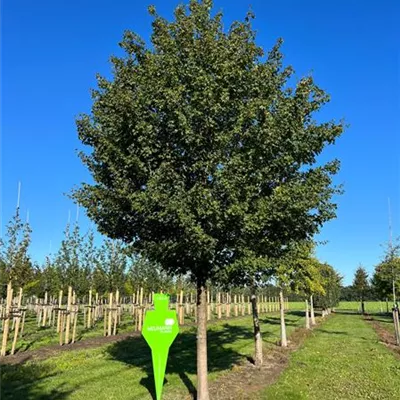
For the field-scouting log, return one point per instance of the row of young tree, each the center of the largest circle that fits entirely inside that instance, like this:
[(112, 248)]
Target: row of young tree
[(108, 267), (204, 156), (79, 263)]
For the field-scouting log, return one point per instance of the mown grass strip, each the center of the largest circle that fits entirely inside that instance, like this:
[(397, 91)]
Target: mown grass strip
[(343, 360)]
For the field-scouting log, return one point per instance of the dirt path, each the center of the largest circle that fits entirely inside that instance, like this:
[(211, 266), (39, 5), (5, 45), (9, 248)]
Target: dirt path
[(387, 338), (244, 381)]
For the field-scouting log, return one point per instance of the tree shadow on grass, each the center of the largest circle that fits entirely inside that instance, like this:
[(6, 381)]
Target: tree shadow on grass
[(182, 355), (277, 321), (299, 313), (388, 319), (343, 333), (347, 312), (23, 382)]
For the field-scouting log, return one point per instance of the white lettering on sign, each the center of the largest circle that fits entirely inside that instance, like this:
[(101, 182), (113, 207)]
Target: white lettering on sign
[(161, 329)]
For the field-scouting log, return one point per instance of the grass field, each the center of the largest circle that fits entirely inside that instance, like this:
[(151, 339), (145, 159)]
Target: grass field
[(35, 337), (123, 370), (342, 361), (370, 306)]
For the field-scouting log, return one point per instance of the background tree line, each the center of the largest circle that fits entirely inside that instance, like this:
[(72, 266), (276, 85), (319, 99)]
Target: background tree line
[(84, 265)]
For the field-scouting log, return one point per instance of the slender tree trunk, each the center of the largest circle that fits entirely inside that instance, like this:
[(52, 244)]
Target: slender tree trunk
[(307, 316), (396, 325), (283, 326), (312, 311), (258, 350), (362, 306), (202, 370)]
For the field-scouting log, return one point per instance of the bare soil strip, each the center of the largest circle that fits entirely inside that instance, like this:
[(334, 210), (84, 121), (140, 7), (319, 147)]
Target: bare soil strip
[(53, 350), (243, 381), (386, 337)]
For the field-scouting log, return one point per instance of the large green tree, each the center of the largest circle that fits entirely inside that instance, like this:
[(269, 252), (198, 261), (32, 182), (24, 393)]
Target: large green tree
[(201, 155), (386, 278)]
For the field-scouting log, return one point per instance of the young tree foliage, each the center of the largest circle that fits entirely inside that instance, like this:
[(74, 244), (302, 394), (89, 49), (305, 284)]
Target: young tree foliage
[(386, 278), (89, 261), (305, 276), (201, 154), (113, 263), (68, 260), (148, 275), (16, 265), (361, 285), (50, 278), (331, 281)]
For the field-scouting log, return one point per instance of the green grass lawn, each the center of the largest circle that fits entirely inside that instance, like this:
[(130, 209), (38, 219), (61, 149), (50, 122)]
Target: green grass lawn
[(371, 307), (35, 337), (297, 305), (123, 370), (343, 360)]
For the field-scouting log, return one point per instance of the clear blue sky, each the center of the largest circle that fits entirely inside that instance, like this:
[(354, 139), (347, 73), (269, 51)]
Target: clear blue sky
[(51, 51)]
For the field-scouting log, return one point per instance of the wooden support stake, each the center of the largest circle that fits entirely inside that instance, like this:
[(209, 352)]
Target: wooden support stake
[(75, 317), (44, 309), (115, 312), (89, 312), (110, 313), (17, 323), (62, 326), (23, 324), (6, 326), (60, 293), (68, 319), (105, 321)]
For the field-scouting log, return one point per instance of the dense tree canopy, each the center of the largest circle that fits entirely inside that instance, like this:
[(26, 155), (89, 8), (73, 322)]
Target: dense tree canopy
[(360, 282), (331, 282), (198, 149), (16, 265), (201, 153), (386, 278)]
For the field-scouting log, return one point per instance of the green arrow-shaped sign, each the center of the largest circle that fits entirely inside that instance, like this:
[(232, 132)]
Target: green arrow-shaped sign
[(160, 329)]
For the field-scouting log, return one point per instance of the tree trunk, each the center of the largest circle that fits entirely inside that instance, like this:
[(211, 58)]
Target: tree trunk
[(307, 316), (312, 311), (362, 306), (202, 379), (258, 351), (396, 325), (283, 326)]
